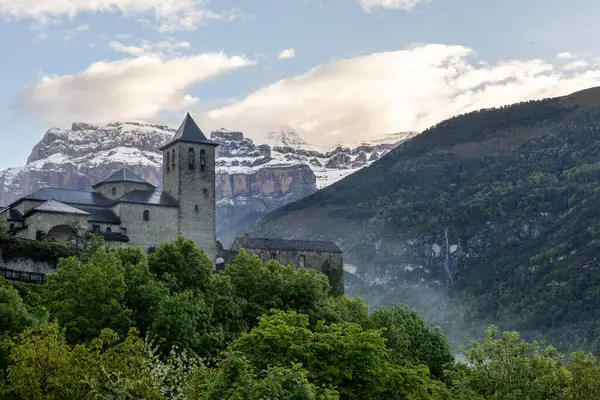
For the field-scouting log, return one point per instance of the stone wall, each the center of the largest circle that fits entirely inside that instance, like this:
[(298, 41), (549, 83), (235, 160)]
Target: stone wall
[(27, 205), (161, 227), (46, 221), (121, 188)]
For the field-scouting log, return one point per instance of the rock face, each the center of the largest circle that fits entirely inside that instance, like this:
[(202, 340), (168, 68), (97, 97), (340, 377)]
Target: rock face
[(252, 179)]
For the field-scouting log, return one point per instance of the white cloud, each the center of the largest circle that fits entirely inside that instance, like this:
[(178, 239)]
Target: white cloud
[(340, 102), (287, 53), (564, 55), (83, 28), (170, 15), (135, 88), (369, 5), (579, 64), (365, 97), (168, 47)]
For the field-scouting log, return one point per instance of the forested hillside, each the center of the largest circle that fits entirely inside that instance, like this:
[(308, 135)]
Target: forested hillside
[(489, 217), (114, 323)]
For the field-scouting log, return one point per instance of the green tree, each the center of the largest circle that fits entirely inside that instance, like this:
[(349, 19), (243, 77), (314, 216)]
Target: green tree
[(410, 339), (343, 357), (585, 369), (14, 318), (183, 319), (510, 368), (181, 263), (44, 366), (144, 292), (260, 288), (88, 297)]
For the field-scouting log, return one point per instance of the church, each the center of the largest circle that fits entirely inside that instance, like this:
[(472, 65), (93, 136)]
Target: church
[(125, 209)]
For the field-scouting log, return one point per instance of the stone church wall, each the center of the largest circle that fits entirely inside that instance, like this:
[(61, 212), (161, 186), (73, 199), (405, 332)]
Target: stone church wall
[(161, 227)]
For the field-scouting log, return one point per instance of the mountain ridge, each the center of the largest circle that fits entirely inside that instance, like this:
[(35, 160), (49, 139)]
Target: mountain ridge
[(252, 179)]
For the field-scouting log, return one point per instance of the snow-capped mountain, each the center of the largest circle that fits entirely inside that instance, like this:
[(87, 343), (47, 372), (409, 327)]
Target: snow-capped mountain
[(252, 179)]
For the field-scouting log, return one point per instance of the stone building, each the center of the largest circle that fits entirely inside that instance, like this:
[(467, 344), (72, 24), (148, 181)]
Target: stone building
[(324, 256), (124, 208)]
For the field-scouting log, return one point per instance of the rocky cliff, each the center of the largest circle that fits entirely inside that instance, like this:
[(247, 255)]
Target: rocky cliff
[(252, 179)]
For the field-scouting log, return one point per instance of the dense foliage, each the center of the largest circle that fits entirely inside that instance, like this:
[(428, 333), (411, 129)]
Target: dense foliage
[(517, 188), (116, 324), (13, 247)]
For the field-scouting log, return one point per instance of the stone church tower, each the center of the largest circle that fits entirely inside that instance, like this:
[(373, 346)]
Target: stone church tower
[(189, 176)]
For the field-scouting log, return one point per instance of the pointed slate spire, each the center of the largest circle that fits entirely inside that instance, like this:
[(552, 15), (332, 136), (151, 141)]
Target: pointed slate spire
[(189, 132), (123, 175)]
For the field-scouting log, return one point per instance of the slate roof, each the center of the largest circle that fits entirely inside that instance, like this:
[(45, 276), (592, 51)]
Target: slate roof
[(53, 206), (104, 215), (290, 245), (12, 214), (123, 175), (189, 131), (69, 196), (149, 197)]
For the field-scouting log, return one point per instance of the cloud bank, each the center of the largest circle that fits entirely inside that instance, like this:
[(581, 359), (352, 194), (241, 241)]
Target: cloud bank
[(169, 15), (343, 101), (134, 88)]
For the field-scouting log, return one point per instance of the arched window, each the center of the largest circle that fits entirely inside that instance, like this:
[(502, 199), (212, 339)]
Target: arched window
[(168, 162), (114, 191), (191, 158), (173, 159), (202, 159), (301, 261), (108, 230), (146, 215)]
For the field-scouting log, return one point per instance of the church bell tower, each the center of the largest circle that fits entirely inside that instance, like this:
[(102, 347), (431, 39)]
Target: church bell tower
[(189, 176)]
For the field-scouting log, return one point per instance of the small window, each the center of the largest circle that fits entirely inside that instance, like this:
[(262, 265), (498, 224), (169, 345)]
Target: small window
[(173, 159), (196, 208), (39, 235), (146, 215), (273, 256), (191, 158), (168, 161), (11, 226), (114, 191), (202, 160), (124, 231), (96, 228), (108, 230), (302, 261)]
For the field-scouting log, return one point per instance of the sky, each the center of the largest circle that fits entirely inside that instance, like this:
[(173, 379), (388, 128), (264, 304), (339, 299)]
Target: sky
[(335, 71)]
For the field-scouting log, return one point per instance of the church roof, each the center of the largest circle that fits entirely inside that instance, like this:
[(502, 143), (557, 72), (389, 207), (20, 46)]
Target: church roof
[(123, 175), (70, 196), (190, 132), (103, 215), (289, 245), (53, 206), (149, 197)]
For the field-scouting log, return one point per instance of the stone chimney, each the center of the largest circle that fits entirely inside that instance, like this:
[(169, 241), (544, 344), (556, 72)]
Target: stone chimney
[(246, 238)]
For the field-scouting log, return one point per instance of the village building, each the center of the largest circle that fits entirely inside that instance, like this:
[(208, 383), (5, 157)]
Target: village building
[(125, 209), (323, 256)]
